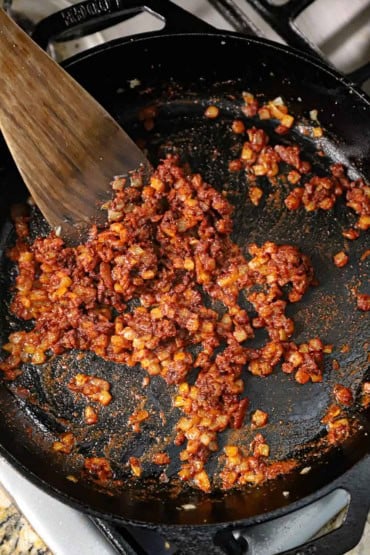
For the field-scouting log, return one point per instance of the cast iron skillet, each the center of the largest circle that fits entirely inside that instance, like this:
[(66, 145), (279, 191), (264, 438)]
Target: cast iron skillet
[(183, 69)]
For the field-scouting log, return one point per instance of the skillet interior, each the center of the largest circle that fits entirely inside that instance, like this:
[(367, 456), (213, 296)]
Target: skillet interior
[(210, 69)]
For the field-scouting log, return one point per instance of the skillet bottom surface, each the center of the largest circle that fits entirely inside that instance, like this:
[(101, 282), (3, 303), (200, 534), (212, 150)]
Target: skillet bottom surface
[(327, 311)]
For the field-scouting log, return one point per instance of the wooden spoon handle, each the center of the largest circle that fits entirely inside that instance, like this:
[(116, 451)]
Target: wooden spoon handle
[(66, 146)]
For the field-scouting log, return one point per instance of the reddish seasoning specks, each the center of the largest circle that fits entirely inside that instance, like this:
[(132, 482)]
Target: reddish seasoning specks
[(166, 243), (259, 159), (343, 395), (161, 458), (255, 194), (212, 112), (90, 415), (92, 387), (340, 259), (238, 126), (137, 417), (363, 301), (259, 419), (351, 234), (65, 444), (251, 465), (98, 469)]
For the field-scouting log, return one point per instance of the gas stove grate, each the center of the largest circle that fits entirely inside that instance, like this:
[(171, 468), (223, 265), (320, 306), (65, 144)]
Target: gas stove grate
[(282, 19)]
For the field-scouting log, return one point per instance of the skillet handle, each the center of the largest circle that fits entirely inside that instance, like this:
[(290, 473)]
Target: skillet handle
[(356, 483), (272, 536), (92, 16)]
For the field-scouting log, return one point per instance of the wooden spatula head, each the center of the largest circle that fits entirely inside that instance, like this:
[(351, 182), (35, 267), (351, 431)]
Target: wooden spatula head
[(66, 146)]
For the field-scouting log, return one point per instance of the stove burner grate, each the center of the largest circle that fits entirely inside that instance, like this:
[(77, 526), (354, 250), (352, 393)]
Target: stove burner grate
[(282, 19)]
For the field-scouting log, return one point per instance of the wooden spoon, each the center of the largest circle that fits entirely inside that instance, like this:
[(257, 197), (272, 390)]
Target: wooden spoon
[(65, 145)]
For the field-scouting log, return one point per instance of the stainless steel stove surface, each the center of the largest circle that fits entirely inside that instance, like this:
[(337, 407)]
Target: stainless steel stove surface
[(340, 31)]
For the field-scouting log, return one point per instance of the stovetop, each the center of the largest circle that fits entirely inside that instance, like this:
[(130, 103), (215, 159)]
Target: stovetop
[(338, 30)]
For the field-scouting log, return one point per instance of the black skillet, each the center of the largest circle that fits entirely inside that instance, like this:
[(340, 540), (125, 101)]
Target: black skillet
[(183, 69)]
